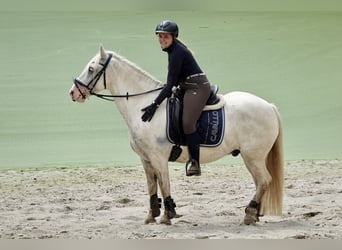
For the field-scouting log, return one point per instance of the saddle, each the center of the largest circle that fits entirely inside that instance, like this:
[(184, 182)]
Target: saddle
[(213, 98), (210, 125)]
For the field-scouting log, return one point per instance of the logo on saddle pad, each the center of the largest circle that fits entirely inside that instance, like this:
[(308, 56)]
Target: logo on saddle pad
[(210, 125)]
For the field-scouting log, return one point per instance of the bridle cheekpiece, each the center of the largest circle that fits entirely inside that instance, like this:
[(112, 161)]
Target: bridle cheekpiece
[(91, 85)]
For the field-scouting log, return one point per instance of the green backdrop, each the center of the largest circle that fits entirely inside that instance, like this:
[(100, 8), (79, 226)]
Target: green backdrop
[(292, 59)]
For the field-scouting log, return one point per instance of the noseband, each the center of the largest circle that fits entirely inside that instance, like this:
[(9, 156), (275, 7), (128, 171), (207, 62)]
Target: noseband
[(91, 85)]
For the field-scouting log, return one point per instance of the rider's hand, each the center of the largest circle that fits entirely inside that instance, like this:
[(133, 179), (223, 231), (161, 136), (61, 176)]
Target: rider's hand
[(149, 112)]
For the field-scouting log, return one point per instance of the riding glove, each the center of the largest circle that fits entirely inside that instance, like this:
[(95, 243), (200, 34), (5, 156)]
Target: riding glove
[(149, 112)]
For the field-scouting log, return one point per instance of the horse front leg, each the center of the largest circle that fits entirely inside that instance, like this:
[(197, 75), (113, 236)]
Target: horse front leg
[(169, 212), (155, 202), (169, 204)]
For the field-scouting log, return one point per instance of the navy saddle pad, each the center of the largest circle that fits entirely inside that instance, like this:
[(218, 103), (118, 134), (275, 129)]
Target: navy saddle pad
[(210, 125)]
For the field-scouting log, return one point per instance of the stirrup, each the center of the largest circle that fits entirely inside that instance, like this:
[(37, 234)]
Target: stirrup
[(194, 168)]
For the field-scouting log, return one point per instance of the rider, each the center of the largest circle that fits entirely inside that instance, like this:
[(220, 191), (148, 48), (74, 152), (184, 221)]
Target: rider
[(183, 71)]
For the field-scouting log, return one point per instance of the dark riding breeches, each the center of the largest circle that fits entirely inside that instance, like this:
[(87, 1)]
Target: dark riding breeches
[(197, 92)]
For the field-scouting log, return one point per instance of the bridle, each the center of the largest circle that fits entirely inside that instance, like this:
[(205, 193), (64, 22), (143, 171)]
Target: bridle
[(91, 85)]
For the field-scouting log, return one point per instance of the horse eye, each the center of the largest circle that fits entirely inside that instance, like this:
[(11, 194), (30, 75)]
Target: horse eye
[(91, 69)]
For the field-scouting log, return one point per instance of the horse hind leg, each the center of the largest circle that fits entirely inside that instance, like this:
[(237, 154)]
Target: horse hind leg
[(262, 178)]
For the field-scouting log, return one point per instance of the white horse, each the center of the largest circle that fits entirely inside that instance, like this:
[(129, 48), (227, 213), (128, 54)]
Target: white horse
[(253, 128)]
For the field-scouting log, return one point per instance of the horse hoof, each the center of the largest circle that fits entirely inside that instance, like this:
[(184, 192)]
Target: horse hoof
[(251, 217), (249, 220), (165, 220), (150, 220)]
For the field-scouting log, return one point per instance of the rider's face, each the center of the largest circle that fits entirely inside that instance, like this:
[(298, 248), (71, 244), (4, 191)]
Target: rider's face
[(165, 40)]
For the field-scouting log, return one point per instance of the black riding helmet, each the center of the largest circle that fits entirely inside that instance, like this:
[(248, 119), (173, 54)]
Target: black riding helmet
[(167, 26)]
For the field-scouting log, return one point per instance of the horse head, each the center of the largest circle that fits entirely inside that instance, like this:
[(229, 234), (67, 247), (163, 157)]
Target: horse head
[(92, 79)]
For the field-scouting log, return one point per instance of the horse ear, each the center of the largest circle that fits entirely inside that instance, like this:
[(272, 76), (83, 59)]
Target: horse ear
[(103, 53)]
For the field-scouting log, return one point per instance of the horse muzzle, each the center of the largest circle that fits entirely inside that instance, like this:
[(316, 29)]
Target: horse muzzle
[(76, 95)]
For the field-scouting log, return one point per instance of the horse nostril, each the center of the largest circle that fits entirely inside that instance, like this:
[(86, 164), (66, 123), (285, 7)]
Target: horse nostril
[(71, 93)]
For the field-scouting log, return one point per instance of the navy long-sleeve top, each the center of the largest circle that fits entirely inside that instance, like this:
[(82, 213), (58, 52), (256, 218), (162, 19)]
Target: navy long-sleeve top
[(181, 65)]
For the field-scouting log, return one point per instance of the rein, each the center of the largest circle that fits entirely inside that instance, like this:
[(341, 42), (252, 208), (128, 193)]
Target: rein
[(96, 78), (107, 97)]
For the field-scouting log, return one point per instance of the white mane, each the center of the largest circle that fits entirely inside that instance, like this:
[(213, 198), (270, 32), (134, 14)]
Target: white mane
[(135, 67)]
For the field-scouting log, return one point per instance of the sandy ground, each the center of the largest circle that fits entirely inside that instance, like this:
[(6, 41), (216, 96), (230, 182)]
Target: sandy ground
[(112, 203)]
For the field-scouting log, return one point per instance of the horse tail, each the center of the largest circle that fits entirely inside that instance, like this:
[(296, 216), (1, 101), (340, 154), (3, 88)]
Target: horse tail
[(272, 200)]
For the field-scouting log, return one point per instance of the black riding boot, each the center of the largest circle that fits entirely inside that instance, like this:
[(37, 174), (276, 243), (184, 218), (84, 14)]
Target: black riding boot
[(193, 141)]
